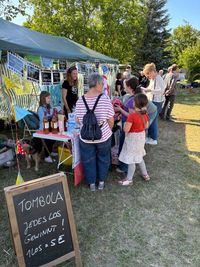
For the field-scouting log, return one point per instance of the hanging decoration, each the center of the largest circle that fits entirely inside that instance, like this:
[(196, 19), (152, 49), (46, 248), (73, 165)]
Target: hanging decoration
[(15, 63), (62, 65), (105, 69), (33, 72), (19, 179), (56, 77), (46, 76), (46, 63), (19, 148)]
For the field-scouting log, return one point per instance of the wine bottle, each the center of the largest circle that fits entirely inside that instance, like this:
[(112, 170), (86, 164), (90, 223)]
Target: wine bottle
[(45, 124), (54, 122)]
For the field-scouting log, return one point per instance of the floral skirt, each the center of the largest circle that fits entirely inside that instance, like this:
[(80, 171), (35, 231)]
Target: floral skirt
[(133, 148)]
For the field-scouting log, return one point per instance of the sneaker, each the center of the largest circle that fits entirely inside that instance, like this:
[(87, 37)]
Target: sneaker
[(119, 170), (92, 187), (101, 185), (126, 182), (151, 142), (147, 140), (49, 160), (54, 154)]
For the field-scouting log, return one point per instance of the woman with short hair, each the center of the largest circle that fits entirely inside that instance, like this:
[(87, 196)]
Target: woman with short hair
[(155, 93), (95, 155)]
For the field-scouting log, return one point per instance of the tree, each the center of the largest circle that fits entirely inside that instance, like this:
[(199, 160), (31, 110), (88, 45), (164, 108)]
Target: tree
[(121, 29), (155, 38), (182, 37), (190, 60), (9, 10), (111, 27)]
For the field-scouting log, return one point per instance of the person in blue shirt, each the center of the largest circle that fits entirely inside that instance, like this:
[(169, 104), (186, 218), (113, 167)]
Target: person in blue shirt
[(44, 106)]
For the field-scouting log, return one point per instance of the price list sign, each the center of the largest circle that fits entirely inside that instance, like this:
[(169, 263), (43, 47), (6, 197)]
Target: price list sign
[(42, 222)]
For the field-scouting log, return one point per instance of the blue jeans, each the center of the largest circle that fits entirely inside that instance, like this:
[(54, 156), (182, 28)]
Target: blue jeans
[(152, 117), (122, 166), (159, 106), (96, 160), (153, 128)]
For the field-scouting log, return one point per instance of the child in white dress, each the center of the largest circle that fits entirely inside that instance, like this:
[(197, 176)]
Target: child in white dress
[(133, 148)]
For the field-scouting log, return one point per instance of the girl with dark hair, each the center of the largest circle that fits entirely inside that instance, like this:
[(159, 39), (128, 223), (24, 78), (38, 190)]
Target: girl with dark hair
[(131, 86), (133, 148), (45, 108), (70, 90)]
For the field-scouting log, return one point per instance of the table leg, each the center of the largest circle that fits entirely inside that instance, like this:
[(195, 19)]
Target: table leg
[(44, 144), (60, 157)]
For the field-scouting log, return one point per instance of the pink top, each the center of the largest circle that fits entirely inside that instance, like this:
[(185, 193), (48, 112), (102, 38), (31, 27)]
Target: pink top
[(104, 111)]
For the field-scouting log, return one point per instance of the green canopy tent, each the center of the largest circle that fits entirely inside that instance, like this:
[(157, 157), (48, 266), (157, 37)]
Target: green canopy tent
[(22, 40)]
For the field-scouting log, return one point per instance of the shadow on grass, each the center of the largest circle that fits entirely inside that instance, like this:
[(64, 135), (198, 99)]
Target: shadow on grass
[(190, 122)]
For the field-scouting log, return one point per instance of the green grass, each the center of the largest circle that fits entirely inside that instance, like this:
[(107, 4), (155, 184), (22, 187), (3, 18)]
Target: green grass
[(153, 224)]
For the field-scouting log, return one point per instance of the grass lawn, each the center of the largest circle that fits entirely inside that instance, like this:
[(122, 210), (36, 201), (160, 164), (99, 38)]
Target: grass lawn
[(155, 224)]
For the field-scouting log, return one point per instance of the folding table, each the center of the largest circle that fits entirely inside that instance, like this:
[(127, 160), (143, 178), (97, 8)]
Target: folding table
[(65, 137)]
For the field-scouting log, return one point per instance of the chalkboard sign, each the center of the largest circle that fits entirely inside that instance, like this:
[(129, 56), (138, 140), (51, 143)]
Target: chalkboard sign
[(42, 222), (46, 77), (56, 77)]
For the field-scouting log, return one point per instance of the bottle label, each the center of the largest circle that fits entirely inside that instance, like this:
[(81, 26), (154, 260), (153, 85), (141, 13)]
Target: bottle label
[(60, 126), (55, 125), (46, 125)]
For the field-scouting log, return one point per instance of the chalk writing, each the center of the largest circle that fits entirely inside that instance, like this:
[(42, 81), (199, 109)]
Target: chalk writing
[(30, 238), (31, 252), (40, 201), (41, 220)]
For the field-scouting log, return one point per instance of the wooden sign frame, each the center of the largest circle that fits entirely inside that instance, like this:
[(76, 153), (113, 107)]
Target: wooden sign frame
[(12, 191)]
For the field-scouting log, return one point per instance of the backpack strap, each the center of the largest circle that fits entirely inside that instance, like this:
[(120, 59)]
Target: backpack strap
[(96, 102), (86, 105)]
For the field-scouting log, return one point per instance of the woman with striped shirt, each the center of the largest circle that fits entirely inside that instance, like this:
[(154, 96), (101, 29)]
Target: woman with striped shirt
[(95, 155)]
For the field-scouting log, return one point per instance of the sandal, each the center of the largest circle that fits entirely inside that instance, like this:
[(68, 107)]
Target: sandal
[(125, 182), (146, 177)]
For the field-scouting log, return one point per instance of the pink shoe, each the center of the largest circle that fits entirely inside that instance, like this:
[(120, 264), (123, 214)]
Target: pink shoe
[(146, 177), (126, 182)]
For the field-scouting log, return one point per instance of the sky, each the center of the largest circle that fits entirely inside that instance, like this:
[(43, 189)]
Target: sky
[(179, 10)]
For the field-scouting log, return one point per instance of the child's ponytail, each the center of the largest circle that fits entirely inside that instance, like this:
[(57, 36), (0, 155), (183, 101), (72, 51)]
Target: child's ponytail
[(141, 102), (142, 111)]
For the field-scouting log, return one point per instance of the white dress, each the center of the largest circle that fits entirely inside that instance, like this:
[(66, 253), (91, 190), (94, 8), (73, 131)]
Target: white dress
[(133, 148)]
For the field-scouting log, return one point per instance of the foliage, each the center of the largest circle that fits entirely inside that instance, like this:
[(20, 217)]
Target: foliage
[(9, 10), (132, 31), (108, 26), (182, 37), (155, 38), (190, 60), (121, 29)]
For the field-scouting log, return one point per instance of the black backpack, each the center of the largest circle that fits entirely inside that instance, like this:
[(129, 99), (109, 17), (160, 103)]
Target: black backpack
[(91, 129)]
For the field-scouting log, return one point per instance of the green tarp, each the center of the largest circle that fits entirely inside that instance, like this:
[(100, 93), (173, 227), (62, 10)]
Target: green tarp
[(22, 40)]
